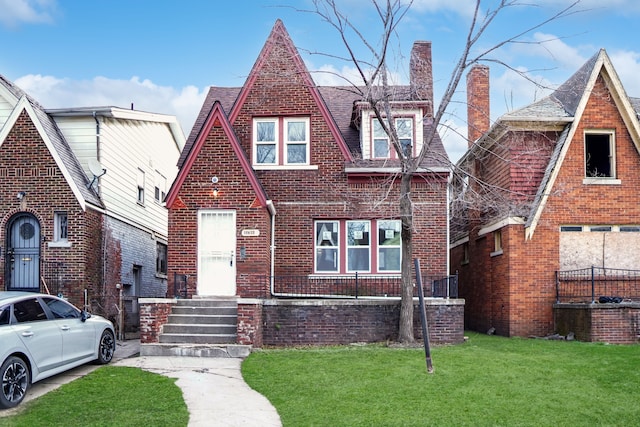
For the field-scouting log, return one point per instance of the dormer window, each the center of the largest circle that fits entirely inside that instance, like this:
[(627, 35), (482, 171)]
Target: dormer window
[(281, 141), (382, 147)]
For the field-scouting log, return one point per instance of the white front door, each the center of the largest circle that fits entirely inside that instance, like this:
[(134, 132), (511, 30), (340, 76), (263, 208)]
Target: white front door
[(216, 257)]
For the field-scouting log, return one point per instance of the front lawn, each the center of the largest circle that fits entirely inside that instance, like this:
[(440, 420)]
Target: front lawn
[(488, 381), (109, 396)]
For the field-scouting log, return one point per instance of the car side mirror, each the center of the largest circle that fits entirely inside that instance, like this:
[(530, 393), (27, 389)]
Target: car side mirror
[(84, 316)]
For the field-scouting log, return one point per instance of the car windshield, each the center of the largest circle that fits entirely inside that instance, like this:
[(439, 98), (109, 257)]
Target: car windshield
[(4, 315)]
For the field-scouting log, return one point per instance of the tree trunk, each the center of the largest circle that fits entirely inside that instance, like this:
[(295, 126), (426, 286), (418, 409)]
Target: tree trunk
[(405, 330)]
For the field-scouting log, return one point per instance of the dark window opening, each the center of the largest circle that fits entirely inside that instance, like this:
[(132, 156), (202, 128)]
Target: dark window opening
[(598, 156)]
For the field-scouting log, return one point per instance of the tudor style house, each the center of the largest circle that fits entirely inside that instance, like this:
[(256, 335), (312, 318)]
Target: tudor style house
[(549, 187), (81, 198), (286, 184), (281, 177)]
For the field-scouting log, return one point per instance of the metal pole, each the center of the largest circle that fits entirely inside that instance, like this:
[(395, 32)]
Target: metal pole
[(423, 317), (593, 285)]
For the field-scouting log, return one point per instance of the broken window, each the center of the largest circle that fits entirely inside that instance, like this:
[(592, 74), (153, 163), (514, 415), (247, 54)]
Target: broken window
[(599, 155)]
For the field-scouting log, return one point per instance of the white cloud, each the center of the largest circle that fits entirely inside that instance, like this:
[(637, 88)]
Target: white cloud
[(52, 92), (627, 65), (15, 12)]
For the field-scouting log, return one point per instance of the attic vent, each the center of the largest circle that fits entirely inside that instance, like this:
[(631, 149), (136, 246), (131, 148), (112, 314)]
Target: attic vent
[(4, 172)]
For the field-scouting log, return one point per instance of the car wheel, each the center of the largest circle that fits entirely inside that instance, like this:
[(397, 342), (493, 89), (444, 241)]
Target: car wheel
[(106, 347), (15, 381)]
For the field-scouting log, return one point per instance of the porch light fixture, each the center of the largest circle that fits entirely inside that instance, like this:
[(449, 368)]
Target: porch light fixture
[(215, 193), (21, 195)]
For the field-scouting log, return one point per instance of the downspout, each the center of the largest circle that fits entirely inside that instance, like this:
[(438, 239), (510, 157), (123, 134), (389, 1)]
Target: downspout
[(104, 234), (272, 211), (448, 213)]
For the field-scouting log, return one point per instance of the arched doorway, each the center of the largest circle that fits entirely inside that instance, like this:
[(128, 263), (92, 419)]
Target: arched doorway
[(22, 258)]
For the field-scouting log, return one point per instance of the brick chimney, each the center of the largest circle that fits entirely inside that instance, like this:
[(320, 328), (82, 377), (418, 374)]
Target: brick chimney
[(421, 75), (478, 107)]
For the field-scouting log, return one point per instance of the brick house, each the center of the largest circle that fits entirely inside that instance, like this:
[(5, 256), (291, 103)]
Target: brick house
[(550, 187), (283, 181), (75, 220)]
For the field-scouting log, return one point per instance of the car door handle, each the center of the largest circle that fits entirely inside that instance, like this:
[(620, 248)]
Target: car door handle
[(65, 328), (27, 334)]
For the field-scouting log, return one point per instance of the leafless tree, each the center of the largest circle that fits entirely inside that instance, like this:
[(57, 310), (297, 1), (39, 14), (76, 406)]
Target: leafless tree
[(376, 90)]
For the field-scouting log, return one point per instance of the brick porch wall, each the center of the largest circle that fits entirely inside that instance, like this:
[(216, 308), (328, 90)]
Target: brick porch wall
[(610, 323), (320, 322), (154, 312)]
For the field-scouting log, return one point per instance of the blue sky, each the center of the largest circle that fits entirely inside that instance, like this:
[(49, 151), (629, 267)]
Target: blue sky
[(162, 55)]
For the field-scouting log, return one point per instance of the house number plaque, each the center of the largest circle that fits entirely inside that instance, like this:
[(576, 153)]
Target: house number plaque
[(250, 232)]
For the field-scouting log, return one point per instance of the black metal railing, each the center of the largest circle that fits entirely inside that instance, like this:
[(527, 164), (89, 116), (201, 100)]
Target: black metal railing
[(358, 285), (597, 284), (51, 276)]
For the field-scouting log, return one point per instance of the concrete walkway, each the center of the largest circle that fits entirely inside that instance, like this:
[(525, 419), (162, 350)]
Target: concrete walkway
[(213, 388)]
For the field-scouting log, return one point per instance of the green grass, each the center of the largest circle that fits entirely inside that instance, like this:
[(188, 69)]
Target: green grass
[(488, 381), (108, 396)]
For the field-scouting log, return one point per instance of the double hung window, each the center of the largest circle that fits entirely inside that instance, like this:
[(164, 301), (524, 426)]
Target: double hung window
[(382, 147), (363, 246), (281, 141)]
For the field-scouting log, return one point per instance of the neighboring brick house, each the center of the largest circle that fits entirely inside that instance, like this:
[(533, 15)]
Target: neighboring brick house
[(278, 176), (282, 178), (81, 194), (552, 186)]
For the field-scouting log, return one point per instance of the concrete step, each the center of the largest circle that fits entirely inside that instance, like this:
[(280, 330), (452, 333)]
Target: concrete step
[(203, 319), (205, 311), (199, 329), (198, 302), (177, 338), (195, 350)]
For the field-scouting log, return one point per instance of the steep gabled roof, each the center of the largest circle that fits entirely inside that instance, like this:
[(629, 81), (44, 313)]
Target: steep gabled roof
[(337, 104), (217, 117), (226, 96), (55, 142), (574, 95)]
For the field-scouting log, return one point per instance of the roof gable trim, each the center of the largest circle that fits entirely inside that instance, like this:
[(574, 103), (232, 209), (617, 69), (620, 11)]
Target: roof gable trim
[(24, 105), (217, 118), (280, 31)]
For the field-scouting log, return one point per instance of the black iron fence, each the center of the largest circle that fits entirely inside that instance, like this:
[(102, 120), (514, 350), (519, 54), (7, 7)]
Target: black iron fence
[(51, 276), (359, 285), (597, 284)]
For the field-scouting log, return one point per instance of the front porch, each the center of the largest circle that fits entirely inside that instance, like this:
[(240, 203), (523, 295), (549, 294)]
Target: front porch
[(598, 305)]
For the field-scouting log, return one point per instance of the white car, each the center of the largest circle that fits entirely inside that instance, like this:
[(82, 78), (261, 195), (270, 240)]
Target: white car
[(42, 335)]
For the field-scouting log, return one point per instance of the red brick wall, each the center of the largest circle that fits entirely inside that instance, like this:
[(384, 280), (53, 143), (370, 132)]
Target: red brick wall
[(153, 314), (610, 323), (27, 165), (299, 196), (216, 158), (289, 323), (515, 292), (250, 323)]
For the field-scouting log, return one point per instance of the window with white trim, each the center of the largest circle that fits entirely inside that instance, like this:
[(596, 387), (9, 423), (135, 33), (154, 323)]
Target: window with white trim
[(348, 246), (358, 246), (599, 153), (389, 245), (381, 147), (327, 246), (281, 141)]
